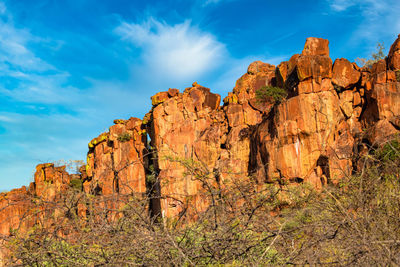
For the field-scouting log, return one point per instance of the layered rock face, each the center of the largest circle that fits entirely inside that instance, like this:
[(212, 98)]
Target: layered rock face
[(313, 135), (116, 160), (19, 209), (192, 126), (184, 127), (13, 207), (299, 139), (243, 112)]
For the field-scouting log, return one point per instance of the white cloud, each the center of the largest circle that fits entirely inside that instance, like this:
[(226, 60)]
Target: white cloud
[(213, 2), (341, 5), (177, 51), (36, 80), (5, 118), (379, 20), (13, 49), (32, 139), (207, 2), (44, 89)]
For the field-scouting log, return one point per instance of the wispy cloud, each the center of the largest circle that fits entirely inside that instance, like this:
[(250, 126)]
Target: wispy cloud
[(157, 54), (213, 2), (14, 53), (5, 118), (379, 18), (24, 76), (341, 5), (30, 139), (174, 51), (208, 2)]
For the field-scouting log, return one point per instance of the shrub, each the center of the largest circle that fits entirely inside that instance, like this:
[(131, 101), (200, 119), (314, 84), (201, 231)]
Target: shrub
[(376, 56), (266, 92), (398, 75), (390, 151), (124, 137), (354, 224), (76, 183)]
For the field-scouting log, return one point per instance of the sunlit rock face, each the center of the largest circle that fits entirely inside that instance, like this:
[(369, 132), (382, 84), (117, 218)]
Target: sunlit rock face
[(394, 55), (184, 127), (18, 209), (313, 135), (192, 126), (116, 160), (13, 206), (302, 130)]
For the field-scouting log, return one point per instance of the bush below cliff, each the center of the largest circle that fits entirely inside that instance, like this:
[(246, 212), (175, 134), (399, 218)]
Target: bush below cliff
[(353, 223)]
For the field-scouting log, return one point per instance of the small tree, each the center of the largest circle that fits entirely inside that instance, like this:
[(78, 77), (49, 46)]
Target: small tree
[(375, 57), (266, 92)]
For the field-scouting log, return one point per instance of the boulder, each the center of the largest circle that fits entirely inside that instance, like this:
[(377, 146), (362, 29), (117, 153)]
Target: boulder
[(394, 55), (344, 74), (316, 47)]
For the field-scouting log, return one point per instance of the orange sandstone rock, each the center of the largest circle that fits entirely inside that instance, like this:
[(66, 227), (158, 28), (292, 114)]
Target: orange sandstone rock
[(344, 73), (394, 55), (316, 47), (116, 160), (309, 137)]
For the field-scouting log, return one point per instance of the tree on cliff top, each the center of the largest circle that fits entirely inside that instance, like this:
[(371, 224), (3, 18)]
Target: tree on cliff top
[(375, 56)]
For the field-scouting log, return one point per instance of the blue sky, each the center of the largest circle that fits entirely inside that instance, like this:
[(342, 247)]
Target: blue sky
[(69, 68)]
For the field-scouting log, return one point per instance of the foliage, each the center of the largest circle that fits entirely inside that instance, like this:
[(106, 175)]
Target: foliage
[(390, 151), (375, 56), (151, 175), (379, 54), (76, 183), (267, 92), (353, 223), (71, 166), (398, 75), (124, 137)]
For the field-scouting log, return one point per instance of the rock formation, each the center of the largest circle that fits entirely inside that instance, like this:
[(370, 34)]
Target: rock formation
[(313, 135), (116, 160)]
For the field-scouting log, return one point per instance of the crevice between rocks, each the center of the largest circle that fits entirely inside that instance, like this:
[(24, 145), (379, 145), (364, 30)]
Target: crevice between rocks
[(153, 189)]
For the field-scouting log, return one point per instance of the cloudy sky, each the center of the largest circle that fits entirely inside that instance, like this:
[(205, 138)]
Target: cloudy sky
[(69, 68)]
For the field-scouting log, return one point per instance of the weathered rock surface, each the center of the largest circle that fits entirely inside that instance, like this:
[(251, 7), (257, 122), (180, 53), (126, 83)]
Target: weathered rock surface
[(185, 127), (394, 55), (345, 74), (310, 136), (316, 47), (13, 206), (116, 160), (50, 181), (19, 209)]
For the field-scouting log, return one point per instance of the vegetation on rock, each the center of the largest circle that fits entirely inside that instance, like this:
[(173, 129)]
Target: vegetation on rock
[(284, 182), (267, 92), (353, 223), (124, 137), (375, 56)]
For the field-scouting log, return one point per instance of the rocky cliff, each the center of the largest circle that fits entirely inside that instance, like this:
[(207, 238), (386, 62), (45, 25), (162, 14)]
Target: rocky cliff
[(330, 113)]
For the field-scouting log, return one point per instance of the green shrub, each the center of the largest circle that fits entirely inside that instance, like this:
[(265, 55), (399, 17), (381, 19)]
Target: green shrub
[(398, 75), (76, 183), (124, 137), (390, 151), (355, 223), (266, 92), (375, 57)]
